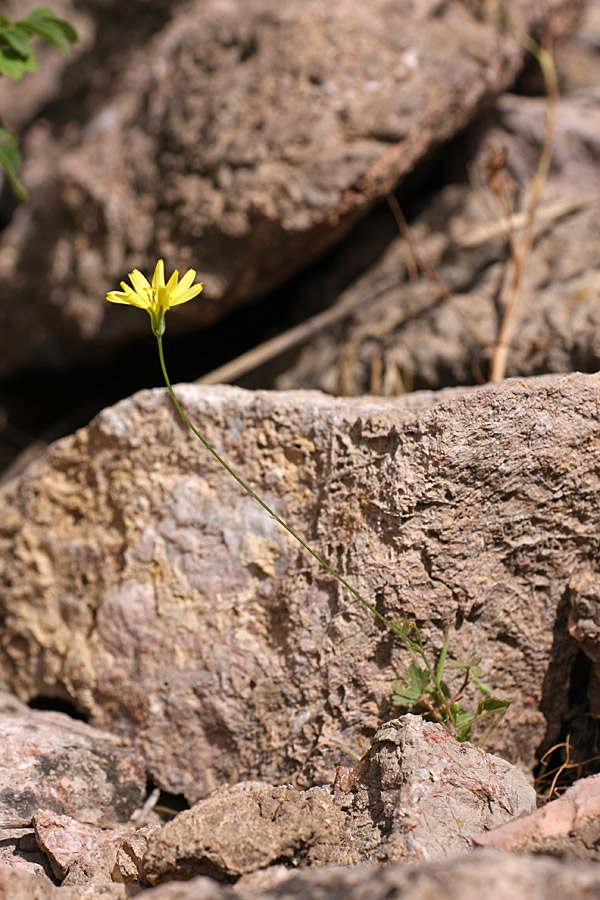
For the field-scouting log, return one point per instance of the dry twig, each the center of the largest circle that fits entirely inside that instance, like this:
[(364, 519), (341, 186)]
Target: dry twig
[(520, 248)]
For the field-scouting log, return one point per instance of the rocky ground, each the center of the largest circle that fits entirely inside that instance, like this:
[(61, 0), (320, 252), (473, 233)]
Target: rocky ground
[(191, 707)]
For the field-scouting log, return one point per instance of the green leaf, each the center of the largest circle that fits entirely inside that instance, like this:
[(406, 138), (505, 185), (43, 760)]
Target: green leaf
[(481, 687), (10, 160), (19, 42), (463, 733), (443, 686), (492, 705), (15, 66), (7, 137), (462, 722), (43, 23), (52, 34), (413, 689)]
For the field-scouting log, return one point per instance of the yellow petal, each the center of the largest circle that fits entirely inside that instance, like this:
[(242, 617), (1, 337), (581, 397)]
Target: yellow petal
[(117, 297), (182, 288), (178, 298), (186, 281), (172, 282), (158, 279), (162, 300), (139, 282)]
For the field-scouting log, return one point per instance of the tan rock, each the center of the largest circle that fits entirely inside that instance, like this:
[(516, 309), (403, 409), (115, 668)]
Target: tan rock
[(418, 794), (124, 587), (568, 826)]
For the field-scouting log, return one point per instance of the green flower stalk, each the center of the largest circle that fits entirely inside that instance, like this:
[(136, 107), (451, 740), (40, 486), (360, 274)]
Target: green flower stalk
[(425, 687), (157, 298)]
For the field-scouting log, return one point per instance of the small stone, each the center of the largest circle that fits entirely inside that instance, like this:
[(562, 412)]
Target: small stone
[(238, 831), (418, 794)]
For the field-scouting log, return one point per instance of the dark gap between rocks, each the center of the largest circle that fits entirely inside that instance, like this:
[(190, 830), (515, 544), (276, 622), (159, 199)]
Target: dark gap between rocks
[(168, 805), (580, 727), (56, 704)]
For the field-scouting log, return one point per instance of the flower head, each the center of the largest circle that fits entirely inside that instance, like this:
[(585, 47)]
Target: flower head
[(157, 297)]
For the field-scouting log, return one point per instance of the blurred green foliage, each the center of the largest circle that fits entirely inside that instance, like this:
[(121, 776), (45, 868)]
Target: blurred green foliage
[(17, 56)]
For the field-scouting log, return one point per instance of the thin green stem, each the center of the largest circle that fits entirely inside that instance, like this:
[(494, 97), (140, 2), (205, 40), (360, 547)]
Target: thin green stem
[(442, 661), (267, 509), (492, 728)]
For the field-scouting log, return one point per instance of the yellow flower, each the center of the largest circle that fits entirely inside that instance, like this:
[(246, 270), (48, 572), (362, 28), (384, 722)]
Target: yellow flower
[(158, 297)]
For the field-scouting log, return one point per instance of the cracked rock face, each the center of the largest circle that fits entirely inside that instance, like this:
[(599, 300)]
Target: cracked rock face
[(141, 584)]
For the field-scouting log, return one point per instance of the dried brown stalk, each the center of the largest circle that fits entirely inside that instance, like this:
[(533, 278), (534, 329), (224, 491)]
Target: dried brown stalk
[(520, 249)]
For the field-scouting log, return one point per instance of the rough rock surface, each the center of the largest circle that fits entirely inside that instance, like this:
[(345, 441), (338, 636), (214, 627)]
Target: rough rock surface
[(78, 853), (19, 850), (139, 582), (397, 332), (419, 794), (568, 826), (17, 884), (128, 861), (467, 877), (243, 138), (50, 761), (245, 828)]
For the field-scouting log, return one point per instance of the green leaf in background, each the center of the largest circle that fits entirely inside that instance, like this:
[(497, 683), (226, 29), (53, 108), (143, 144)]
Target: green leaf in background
[(43, 23), (10, 160), (19, 42), (492, 706), (17, 57), (411, 692), (14, 65)]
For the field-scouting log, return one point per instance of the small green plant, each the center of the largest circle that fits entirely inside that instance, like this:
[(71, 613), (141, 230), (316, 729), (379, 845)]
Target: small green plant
[(425, 691), (17, 56), (425, 687)]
